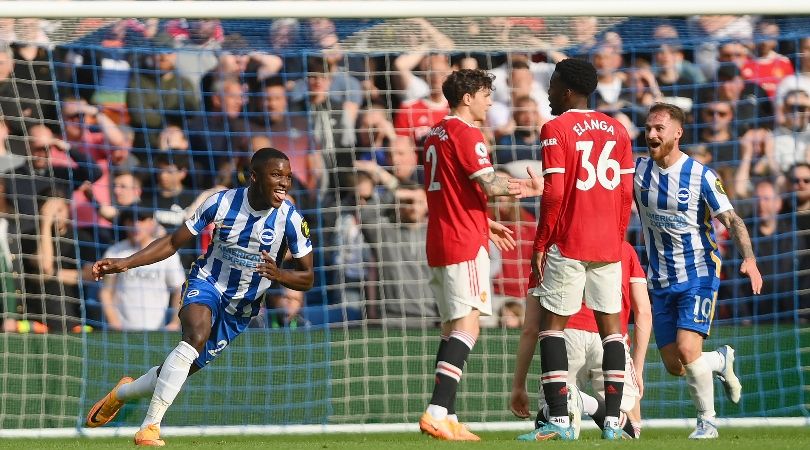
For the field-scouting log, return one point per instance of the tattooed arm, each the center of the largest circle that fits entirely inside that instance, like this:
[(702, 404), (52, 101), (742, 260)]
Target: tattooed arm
[(739, 233), (493, 184)]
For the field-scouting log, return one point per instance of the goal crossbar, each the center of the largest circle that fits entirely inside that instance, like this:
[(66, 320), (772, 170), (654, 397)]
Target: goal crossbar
[(390, 9)]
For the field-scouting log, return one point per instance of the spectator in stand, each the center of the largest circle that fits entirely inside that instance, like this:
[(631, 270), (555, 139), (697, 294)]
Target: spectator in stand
[(375, 133), (51, 267), (733, 52), (288, 131), (418, 72), (8, 287), (768, 68), (89, 129), (32, 72), (284, 310), (757, 159), (641, 92), (108, 71), (799, 209), (344, 91), (773, 244), (541, 73), (220, 134), (510, 282), (752, 107), (792, 137), (523, 141), (170, 198), (197, 42), (607, 59), (127, 190), (54, 167), (235, 60), (138, 298), (717, 134), (799, 80), (353, 272), (16, 104), (396, 238), (510, 314), (12, 149), (404, 168), (521, 83), (416, 116), (676, 77), (329, 124), (159, 95), (285, 38)]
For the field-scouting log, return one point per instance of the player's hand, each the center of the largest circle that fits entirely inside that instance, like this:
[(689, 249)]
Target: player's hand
[(107, 266), (640, 383), (268, 269), (519, 403), (523, 188), (749, 269), (501, 236), (537, 270)]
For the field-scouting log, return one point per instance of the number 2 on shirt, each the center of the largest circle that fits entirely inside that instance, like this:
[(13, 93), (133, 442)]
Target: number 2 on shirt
[(600, 172), (433, 159)]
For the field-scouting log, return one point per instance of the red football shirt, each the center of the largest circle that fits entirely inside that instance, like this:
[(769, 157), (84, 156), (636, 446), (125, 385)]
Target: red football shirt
[(417, 117), (588, 166), (516, 263), (632, 272), (455, 153), (767, 71)]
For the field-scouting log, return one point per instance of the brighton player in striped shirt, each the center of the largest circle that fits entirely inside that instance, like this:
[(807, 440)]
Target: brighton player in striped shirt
[(254, 228), (677, 198)]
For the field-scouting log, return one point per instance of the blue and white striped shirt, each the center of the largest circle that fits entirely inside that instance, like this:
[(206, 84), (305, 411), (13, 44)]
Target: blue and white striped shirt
[(240, 235), (676, 205)]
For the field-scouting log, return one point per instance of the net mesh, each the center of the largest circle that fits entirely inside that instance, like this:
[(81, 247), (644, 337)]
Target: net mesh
[(145, 116)]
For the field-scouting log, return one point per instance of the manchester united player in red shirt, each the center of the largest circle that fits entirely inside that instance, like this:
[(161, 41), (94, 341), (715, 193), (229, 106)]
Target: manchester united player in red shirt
[(459, 179), (587, 196), (584, 348)]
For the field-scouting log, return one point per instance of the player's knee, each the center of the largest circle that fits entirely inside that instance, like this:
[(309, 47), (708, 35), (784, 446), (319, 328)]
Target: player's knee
[(687, 352), (195, 338)]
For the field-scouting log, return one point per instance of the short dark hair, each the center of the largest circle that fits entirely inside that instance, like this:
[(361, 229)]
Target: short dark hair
[(465, 81), (263, 155), (316, 65), (273, 81), (577, 74), (673, 111), (164, 159)]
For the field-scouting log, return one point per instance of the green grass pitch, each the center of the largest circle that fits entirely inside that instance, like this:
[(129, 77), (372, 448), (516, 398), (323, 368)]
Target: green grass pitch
[(792, 438)]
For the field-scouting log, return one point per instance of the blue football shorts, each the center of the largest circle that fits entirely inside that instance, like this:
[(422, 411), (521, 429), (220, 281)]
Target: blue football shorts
[(224, 326), (688, 305)]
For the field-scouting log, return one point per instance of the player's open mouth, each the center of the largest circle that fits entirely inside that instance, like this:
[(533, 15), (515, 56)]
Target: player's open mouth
[(280, 195), (653, 144)]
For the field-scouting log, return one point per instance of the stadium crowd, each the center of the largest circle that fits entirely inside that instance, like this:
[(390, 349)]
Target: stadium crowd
[(112, 139)]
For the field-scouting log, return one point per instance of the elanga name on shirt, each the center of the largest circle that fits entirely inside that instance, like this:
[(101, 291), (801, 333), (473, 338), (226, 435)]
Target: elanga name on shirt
[(593, 124)]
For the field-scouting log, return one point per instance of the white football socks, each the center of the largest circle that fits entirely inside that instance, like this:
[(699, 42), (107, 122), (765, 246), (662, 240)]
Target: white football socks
[(438, 412), (143, 386), (701, 387), (714, 360), (171, 379), (589, 404)]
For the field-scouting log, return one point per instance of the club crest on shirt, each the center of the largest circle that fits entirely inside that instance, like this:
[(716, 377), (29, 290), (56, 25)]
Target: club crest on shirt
[(683, 195), (483, 297), (719, 186), (267, 237), (481, 149), (305, 228)]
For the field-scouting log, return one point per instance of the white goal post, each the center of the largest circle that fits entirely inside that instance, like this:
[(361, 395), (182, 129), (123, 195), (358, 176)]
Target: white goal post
[(383, 9)]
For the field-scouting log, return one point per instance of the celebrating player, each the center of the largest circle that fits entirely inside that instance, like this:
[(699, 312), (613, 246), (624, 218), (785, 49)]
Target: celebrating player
[(458, 179), (585, 211), (584, 348), (254, 228), (676, 197)]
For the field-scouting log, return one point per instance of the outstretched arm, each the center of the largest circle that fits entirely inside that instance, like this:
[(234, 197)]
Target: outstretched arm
[(158, 250), (493, 184), (519, 400), (739, 233)]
